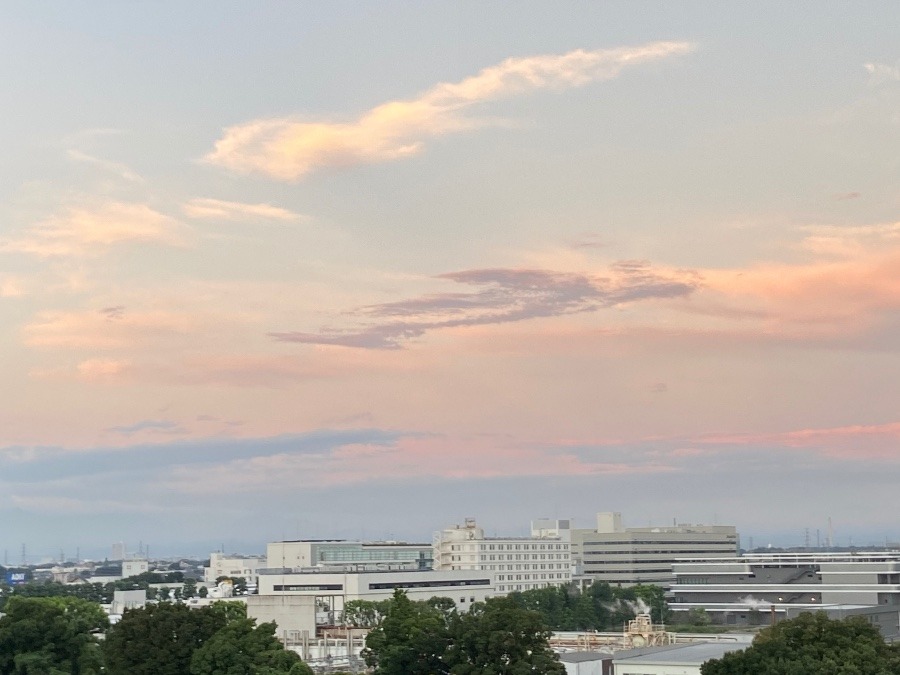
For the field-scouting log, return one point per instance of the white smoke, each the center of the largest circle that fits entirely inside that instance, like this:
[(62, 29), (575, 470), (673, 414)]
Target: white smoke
[(753, 603)]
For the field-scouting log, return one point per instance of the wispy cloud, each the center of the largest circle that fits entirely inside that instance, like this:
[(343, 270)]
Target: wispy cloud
[(290, 148), (123, 171), (880, 73), (847, 196), (225, 210), (11, 287), (102, 369), (502, 296), (93, 229), (167, 426)]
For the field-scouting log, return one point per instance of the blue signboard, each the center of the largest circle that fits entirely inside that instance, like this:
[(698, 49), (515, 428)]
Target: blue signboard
[(15, 578)]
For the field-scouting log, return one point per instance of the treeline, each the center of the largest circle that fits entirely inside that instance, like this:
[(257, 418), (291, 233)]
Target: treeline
[(493, 637), (99, 592), (812, 643), (59, 636), (600, 607)]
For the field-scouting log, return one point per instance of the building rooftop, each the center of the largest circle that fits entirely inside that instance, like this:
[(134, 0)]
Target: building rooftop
[(691, 653), (583, 657)]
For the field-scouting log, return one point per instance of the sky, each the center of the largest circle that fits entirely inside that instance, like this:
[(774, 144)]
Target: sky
[(279, 270)]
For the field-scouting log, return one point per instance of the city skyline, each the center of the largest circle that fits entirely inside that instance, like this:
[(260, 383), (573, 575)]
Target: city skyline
[(269, 269)]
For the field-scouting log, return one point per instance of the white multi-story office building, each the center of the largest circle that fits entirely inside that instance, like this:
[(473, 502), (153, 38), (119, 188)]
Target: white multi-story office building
[(306, 553), (519, 563), (625, 556)]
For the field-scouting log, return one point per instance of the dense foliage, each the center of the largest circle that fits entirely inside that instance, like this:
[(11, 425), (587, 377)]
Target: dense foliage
[(172, 639), (600, 607), (50, 636), (497, 637), (812, 643)]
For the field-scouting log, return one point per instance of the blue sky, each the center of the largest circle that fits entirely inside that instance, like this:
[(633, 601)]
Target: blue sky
[(356, 269)]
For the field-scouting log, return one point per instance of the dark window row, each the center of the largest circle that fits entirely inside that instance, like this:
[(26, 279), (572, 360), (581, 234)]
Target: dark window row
[(429, 584)]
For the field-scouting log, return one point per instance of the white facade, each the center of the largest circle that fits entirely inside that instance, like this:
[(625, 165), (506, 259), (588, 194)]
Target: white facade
[(134, 567), (221, 565), (306, 553), (519, 563), (292, 600)]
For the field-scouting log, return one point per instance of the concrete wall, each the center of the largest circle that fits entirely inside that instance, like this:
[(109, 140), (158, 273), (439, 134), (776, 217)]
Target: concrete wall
[(289, 612)]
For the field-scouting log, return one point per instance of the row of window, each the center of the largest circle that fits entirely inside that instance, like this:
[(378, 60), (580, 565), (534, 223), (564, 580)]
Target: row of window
[(519, 577), (509, 547), (663, 551), (429, 584), (519, 587)]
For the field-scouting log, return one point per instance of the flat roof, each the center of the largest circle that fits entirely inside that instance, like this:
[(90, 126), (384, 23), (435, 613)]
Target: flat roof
[(582, 657), (691, 653)]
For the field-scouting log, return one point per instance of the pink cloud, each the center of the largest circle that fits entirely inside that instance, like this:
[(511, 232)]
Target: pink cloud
[(879, 441), (93, 229), (288, 148), (409, 457)]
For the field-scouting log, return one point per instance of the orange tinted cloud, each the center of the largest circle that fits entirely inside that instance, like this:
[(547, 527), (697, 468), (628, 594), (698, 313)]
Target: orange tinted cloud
[(90, 230), (225, 210), (288, 149)]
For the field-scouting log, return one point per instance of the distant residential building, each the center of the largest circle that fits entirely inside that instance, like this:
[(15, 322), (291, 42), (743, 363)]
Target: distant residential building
[(306, 553), (221, 565), (759, 586), (626, 556), (134, 567), (520, 563)]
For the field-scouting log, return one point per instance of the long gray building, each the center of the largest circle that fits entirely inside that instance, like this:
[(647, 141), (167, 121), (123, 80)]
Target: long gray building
[(762, 586), (623, 556)]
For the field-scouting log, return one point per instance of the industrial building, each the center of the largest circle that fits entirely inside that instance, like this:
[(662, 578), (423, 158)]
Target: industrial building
[(678, 659), (760, 587), (519, 563), (623, 556)]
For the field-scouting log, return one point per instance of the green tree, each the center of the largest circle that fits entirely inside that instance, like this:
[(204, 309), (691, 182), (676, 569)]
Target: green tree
[(50, 636), (812, 643), (410, 640), (243, 648), (500, 638), (159, 639)]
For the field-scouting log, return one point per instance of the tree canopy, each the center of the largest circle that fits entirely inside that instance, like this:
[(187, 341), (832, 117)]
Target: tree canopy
[(243, 648), (812, 643), (497, 637), (159, 639), (50, 636), (173, 639)]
